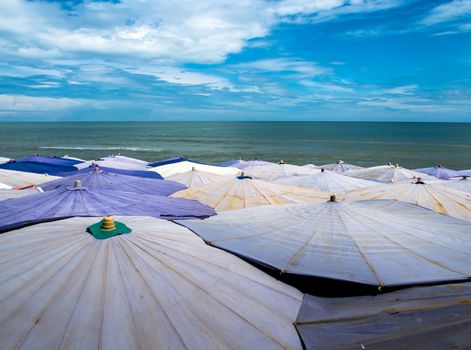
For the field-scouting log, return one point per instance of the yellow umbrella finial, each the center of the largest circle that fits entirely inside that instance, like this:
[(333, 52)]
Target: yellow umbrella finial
[(108, 223)]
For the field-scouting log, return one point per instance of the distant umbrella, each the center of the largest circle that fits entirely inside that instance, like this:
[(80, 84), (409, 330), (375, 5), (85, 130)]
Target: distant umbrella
[(381, 243), (123, 159), (245, 192), (57, 161), (387, 174), (9, 194), (112, 163), (80, 201), (465, 173), (138, 173), (4, 160), (340, 166), (421, 318), (310, 166), (426, 194), (184, 166), (36, 168), (459, 184), (275, 171), (242, 164), (102, 180), (439, 172), (195, 178), (168, 161), (20, 179), (156, 287), (328, 181)]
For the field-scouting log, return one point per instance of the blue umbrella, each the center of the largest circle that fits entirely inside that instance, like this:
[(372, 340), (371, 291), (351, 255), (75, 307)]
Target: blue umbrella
[(38, 168), (138, 173), (67, 162), (97, 179), (80, 201), (168, 161), (439, 172)]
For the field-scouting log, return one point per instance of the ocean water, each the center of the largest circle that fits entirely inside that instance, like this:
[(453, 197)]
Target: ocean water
[(412, 145)]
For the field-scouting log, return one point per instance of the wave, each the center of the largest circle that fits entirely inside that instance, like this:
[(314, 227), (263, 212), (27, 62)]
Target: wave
[(111, 148)]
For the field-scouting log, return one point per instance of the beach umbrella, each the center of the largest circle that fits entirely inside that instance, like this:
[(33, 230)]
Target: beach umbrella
[(4, 160), (340, 166), (97, 179), (275, 171), (168, 161), (443, 200), (138, 173), (36, 167), (112, 163), (185, 166), (387, 174), (465, 173), (144, 284), (57, 161), (328, 181), (459, 184), (20, 179), (8, 194), (73, 158), (310, 166), (5, 187), (124, 159), (80, 201), (245, 192), (195, 178), (380, 243), (421, 318), (439, 172), (242, 164)]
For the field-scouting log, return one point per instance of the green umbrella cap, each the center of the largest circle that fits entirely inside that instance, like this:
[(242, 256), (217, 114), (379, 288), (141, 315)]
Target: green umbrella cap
[(107, 228)]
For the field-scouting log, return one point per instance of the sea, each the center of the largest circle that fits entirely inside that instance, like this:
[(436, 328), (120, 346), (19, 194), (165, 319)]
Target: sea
[(412, 145)]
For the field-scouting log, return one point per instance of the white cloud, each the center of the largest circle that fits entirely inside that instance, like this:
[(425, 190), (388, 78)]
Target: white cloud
[(36, 104), (447, 12), (289, 65)]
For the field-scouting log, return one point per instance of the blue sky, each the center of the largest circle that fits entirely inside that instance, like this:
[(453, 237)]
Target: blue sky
[(372, 60)]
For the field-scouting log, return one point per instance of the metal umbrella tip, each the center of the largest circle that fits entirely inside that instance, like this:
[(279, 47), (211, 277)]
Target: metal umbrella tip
[(77, 184)]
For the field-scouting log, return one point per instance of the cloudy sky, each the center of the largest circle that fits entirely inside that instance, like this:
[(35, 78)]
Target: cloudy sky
[(372, 60)]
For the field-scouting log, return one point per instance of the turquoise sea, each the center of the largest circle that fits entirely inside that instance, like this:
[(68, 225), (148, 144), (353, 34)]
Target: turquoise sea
[(412, 145)]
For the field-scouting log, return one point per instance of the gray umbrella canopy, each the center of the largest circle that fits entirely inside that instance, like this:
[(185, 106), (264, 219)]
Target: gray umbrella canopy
[(157, 287), (388, 174), (340, 166), (196, 178), (424, 318), (328, 181), (459, 184), (275, 171), (383, 243)]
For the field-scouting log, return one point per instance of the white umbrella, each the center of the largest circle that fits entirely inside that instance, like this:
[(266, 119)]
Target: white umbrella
[(195, 178), (328, 181), (383, 243), (7, 194), (5, 187), (460, 184), (310, 166), (112, 163), (158, 287), (124, 159), (275, 171), (4, 160), (340, 167), (185, 166), (245, 193), (437, 317), (429, 195), (387, 174), (20, 179)]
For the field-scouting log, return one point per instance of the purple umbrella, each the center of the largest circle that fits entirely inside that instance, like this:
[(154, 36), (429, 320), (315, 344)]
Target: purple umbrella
[(79, 201), (138, 173), (102, 180), (242, 164), (464, 173), (439, 172), (49, 160)]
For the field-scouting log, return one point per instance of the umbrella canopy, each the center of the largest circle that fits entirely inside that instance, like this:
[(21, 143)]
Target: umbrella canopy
[(124, 159), (65, 162), (4, 160), (184, 166), (102, 180), (112, 163), (439, 172), (387, 174), (465, 173), (5, 187), (310, 166), (381, 243), (462, 184), (157, 287), (73, 158), (429, 195), (421, 318), (79, 201), (242, 164), (8, 194), (275, 171), (328, 181), (138, 173), (20, 179), (340, 166), (246, 192), (168, 161), (195, 178), (37, 168)]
